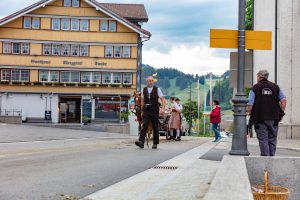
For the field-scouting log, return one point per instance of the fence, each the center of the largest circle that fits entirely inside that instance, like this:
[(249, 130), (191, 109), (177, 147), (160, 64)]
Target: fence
[(10, 112)]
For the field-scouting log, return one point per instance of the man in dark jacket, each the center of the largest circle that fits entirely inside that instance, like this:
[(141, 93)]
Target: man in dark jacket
[(266, 107), (150, 105)]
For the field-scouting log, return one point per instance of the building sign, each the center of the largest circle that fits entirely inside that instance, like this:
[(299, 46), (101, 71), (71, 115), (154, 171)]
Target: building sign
[(48, 115), (100, 63), (72, 63), (43, 62)]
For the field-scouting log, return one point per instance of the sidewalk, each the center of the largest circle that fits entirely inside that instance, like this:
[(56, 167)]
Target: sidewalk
[(184, 177), (282, 144)]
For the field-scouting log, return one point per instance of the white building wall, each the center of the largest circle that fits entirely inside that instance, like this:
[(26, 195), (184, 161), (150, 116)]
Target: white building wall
[(32, 105)]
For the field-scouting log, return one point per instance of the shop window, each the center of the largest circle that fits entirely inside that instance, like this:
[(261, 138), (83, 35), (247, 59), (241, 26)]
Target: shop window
[(47, 49), (117, 78), (104, 26), (84, 25), (106, 78), (25, 48), (117, 52), (65, 50), (75, 50), (27, 22), (36, 23), (56, 49), (126, 52), (7, 47), (65, 24), (127, 78), (5, 75), (55, 24), (16, 48), (112, 26), (84, 50), (109, 51), (75, 24), (67, 3)]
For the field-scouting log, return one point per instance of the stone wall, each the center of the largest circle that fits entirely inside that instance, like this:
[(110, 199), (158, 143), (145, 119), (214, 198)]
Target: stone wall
[(11, 119)]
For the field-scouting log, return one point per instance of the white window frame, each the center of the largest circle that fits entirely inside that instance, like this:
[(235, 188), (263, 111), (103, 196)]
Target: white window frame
[(7, 74), (83, 28), (46, 73), (103, 23), (70, 76), (49, 49), (49, 76), (7, 47), (127, 74), (63, 48), (74, 47), (77, 24), (19, 74), (84, 50), (65, 24), (119, 55), (56, 49), (67, 3), (114, 23), (111, 49), (35, 19), (103, 78), (25, 46), (113, 75), (98, 75), (28, 21), (54, 21), (86, 75), (76, 3), (13, 50), (126, 54)]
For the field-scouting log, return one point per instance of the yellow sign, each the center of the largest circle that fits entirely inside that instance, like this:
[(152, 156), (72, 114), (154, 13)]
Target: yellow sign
[(256, 40)]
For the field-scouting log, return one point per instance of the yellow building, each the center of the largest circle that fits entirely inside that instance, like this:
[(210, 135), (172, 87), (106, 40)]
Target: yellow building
[(64, 59)]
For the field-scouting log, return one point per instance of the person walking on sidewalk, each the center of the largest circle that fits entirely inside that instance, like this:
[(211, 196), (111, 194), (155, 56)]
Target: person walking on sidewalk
[(150, 105), (175, 119), (171, 107), (266, 107), (215, 120)]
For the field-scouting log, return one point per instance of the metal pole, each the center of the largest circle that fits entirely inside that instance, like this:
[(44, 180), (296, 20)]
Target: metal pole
[(239, 140), (190, 124), (139, 65)]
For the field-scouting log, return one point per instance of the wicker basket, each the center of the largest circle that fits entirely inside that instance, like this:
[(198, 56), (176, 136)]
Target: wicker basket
[(266, 192)]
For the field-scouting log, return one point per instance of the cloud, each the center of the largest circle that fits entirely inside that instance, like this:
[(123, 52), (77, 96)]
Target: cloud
[(189, 59)]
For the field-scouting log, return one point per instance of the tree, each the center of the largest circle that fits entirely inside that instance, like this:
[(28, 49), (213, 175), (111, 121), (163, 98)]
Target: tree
[(249, 14), (190, 110)]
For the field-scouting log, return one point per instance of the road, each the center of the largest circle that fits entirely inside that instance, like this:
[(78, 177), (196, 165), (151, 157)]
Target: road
[(39, 163)]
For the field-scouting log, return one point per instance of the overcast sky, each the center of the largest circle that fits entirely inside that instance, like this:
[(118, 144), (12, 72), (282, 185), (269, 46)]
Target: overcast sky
[(180, 32)]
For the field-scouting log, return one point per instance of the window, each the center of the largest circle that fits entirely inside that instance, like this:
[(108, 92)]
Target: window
[(47, 49), (70, 77), (106, 78), (16, 48), (65, 77), (20, 75), (75, 77), (90, 77), (65, 24), (67, 3), (126, 52), (56, 49), (65, 50), (75, 24), (109, 51), (117, 78), (127, 78), (75, 3), (55, 24), (49, 76), (25, 48), (96, 77), (84, 25), (27, 22), (112, 26), (5, 75), (118, 52), (103, 26), (6, 47), (36, 23), (84, 50), (74, 50)]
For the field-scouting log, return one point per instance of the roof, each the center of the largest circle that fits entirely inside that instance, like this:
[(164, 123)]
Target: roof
[(124, 13), (135, 12)]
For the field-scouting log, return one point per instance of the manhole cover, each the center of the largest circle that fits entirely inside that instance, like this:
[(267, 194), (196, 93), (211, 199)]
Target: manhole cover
[(166, 167)]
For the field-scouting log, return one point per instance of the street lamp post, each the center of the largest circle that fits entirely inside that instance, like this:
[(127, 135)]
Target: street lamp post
[(239, 140)]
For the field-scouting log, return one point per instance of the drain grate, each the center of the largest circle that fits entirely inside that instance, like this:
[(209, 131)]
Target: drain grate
[(166, 167)]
